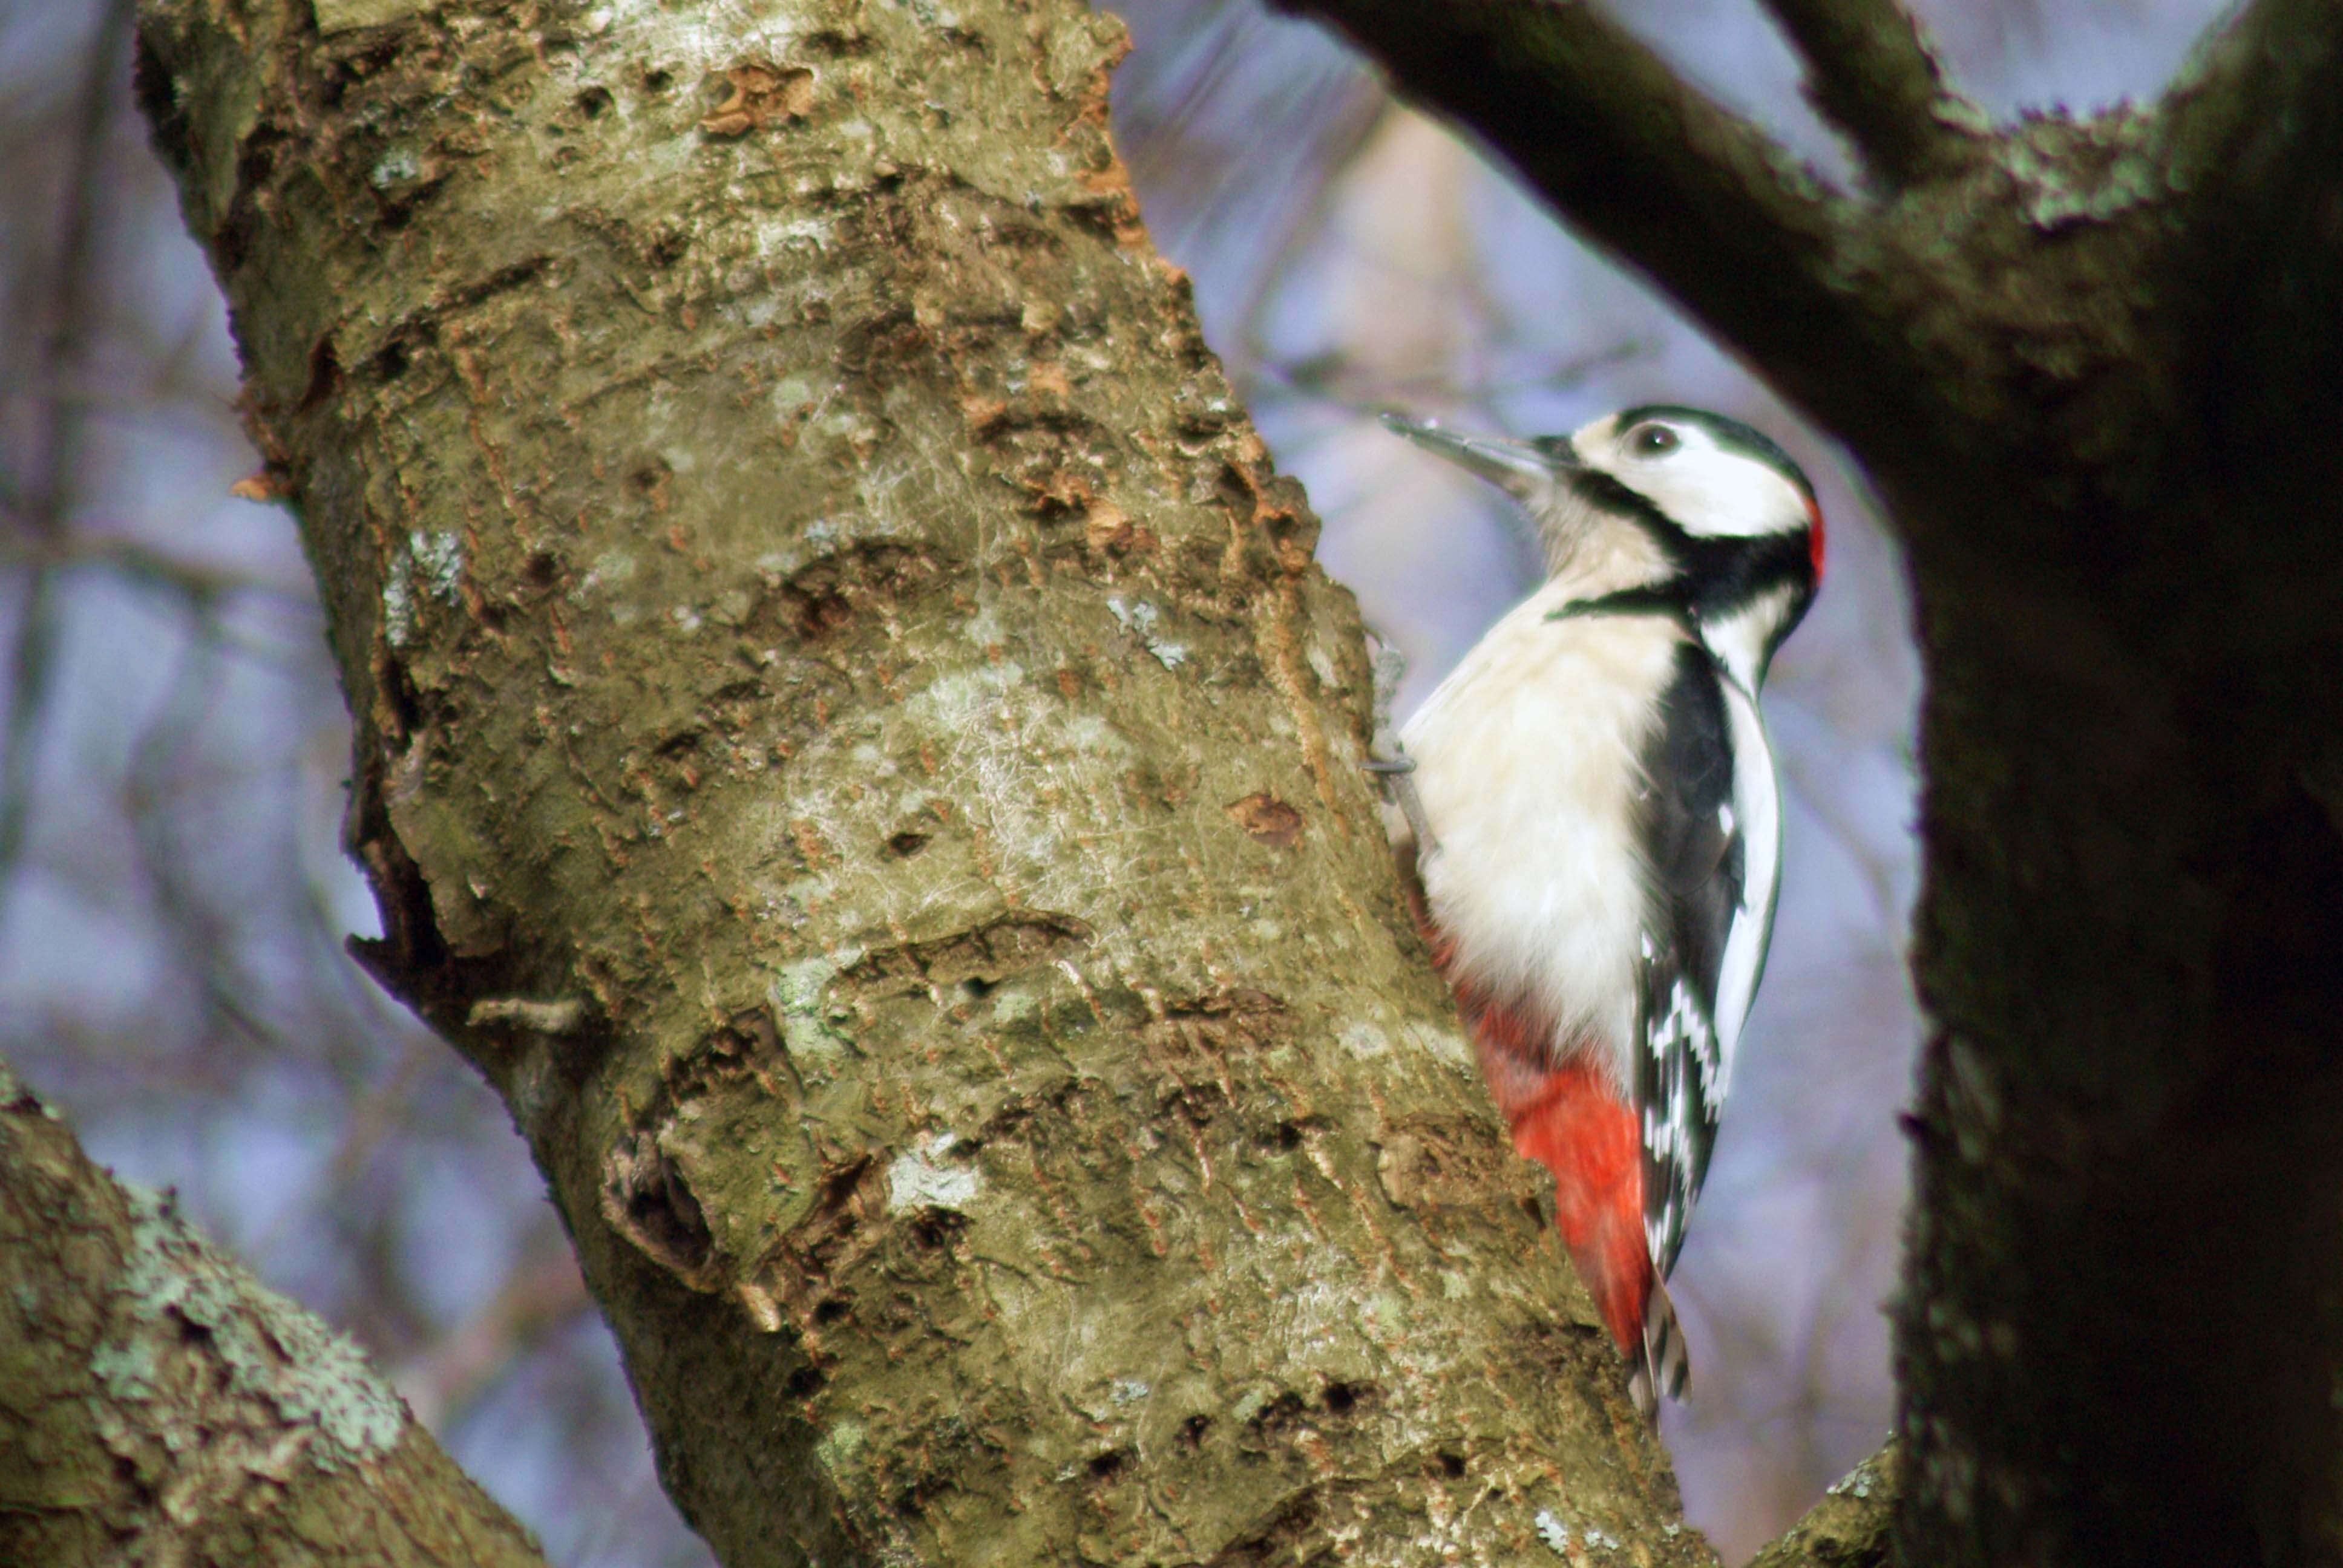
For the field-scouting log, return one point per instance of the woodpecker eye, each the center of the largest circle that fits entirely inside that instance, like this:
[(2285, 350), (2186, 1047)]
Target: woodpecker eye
[(1653, 441)]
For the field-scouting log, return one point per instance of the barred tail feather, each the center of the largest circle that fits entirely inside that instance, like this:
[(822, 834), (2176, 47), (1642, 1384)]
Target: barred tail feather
[(1665, 1367)]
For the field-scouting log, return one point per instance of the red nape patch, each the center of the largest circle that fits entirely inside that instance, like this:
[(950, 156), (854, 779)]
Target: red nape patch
[(1815, 536), (1568, 1119)]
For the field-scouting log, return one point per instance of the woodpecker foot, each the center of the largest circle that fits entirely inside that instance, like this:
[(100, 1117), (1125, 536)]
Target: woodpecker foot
[(1388, 761)]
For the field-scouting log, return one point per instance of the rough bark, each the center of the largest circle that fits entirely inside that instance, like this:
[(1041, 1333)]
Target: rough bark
[(2090, 366), (158, 1405), (1851, 1526), (852, 743)]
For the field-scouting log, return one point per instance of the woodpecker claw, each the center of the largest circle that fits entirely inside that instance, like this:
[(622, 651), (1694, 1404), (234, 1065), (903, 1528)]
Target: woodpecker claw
[(1387, 760)]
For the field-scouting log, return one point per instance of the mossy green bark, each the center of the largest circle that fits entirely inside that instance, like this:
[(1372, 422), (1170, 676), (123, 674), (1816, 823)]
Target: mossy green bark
[(159, 1405), (853, 743)]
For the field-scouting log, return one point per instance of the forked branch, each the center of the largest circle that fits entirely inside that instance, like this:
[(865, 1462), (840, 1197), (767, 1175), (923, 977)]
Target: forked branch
[(1873, 72)]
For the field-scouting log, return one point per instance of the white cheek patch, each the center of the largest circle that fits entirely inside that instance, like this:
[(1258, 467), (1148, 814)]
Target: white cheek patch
[(1718, 493)]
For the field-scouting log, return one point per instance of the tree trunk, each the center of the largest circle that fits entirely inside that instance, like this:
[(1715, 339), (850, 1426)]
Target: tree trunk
[(852, 743)]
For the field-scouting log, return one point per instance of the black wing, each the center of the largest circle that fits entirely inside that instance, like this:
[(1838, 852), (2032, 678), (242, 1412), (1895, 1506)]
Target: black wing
[(1696, 856)]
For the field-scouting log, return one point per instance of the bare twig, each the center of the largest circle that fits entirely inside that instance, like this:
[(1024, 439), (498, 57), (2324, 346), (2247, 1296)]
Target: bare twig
[(28, 670), (1873, 72), (143, 564), (64, 333), (42, 499)]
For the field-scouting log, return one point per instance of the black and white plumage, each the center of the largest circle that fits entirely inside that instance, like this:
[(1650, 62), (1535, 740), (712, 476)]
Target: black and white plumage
[(1604, 821)]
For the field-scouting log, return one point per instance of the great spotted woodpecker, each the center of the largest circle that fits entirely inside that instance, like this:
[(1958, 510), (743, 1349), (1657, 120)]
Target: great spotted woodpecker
[(1595, 828)]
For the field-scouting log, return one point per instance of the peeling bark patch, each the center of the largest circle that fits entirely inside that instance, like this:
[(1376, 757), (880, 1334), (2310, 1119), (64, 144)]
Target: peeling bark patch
[(921, 1178), (564, 1015), (1423, 1168), (1267, 820), (265, 483), (1238, 1017), (1276, 1541), (1106, 527), (830, 1242), (761, 95), (1108, 202), (646, 1199), (828, 593), (988, 954), (748, 1046)]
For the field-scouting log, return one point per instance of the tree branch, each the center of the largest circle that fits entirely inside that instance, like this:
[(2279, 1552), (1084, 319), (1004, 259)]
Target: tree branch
[(163, 1405), (2249, 135), (2216, 119), (1761, 250), (1849, 1527), (1873, 72)]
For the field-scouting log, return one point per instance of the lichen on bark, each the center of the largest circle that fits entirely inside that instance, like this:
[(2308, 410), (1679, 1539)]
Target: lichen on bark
[(158, 1404)]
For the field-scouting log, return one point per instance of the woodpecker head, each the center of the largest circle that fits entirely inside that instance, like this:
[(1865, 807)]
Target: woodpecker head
[(1711, 508)]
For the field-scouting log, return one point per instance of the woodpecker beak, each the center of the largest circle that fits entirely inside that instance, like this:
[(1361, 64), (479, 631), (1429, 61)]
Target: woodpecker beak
[(1516, 468)]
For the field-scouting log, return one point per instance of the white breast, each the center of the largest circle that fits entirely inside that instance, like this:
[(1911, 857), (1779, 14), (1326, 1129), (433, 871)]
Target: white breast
[(1527, 759)]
